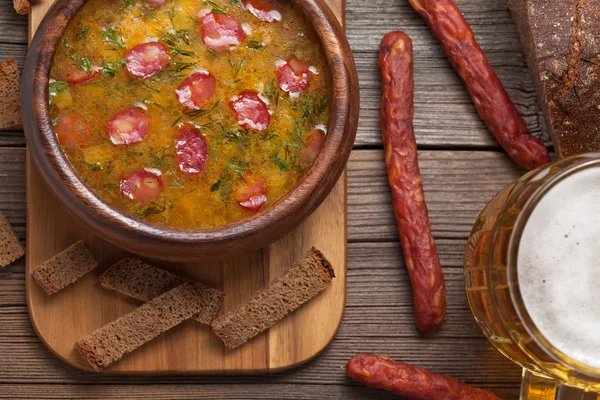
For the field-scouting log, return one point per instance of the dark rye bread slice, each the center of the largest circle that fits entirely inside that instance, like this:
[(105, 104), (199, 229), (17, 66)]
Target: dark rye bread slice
[(302, 281), (111, 342), (65, 268), (142, 281), (10, 100), (22, 6), (561, 40), (10, 248)]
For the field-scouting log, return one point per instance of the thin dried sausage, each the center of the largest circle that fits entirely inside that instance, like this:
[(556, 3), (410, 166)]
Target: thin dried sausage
[(420, 255), (491, 100), (411, 382)]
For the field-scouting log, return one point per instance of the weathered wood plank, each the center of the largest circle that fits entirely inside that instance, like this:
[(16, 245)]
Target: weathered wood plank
[(13, 27), (207, 391), (444, 113), (27, 360)]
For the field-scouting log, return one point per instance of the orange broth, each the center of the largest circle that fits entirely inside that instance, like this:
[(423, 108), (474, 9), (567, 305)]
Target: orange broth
[(237, 157)]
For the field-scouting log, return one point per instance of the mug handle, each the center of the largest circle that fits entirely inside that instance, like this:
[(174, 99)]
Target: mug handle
[(538, 387)]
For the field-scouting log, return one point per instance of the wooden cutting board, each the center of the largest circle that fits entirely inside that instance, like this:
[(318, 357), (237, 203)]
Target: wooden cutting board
[(190, 348)]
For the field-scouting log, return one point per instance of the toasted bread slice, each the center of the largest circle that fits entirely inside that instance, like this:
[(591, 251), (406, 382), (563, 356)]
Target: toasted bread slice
[(10, 248), (113, 341), (10, 87), (142, 281), (65, 268), (302, 281)]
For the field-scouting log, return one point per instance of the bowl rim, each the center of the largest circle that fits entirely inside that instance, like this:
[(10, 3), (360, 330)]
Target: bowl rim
[(117, 226)]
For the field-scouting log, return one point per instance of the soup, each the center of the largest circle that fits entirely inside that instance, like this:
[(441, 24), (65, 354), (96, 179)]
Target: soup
[(186, 113)]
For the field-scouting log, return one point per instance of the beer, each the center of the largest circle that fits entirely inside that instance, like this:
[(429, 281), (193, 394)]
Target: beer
[(558, 266), (532, 276)]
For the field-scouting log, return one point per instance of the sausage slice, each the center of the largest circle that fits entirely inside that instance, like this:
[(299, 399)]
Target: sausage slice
[(293, 75), (195, 92), (129, 126), (252, 194), (72, 129), (191, 150), (251, 111), (265, 10), (142, 185), (146, 59), (220, 31)]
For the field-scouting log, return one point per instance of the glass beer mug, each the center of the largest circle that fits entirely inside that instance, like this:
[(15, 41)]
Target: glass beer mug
[(532, 277)]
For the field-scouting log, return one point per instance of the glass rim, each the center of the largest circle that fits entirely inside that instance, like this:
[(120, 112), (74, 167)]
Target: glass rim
[(572, 166)]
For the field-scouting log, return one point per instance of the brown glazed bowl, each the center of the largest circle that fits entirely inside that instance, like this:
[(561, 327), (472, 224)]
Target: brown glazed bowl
[(176, 244)]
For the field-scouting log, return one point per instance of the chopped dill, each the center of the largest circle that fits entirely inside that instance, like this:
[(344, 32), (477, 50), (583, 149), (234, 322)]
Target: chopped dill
[(255, 44), (280, 162), (236, 66), (149, 87), (215, 7), (83, 32), (153, 208), (173, 41), (179, 66), (211, 52), (111, 68), (171, 13), (85, 63), (239, 167), (56, 87), (194, 114), (114, 36)]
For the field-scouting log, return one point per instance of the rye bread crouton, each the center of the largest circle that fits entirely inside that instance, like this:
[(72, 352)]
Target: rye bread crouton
[(301, 282), (144, 282), (113, 341), (22, 6), (10, 94), (65, 268), (10, 248)]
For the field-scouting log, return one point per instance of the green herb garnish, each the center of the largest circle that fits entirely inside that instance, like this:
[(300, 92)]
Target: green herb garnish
[(215, 7), (236, 66), (255, 44), (114, 36), (56, 87), (111, 68), (85, 29)]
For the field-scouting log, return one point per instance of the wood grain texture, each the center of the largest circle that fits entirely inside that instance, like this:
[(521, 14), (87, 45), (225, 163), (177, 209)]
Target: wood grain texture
[(377, 316), (190, 348)]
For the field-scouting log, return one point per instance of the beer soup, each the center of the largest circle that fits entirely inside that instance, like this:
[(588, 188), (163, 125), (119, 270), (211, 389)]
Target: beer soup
[(187, 113)]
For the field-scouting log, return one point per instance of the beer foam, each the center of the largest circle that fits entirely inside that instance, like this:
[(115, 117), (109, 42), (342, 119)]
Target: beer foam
[(558, 266)]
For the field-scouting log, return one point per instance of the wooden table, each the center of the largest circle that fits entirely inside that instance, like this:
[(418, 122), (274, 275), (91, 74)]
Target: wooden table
[(462, 168)]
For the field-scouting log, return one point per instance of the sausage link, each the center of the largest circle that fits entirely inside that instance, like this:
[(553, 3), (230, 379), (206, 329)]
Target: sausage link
[(397, 108), (491, 100), (411, 382)]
